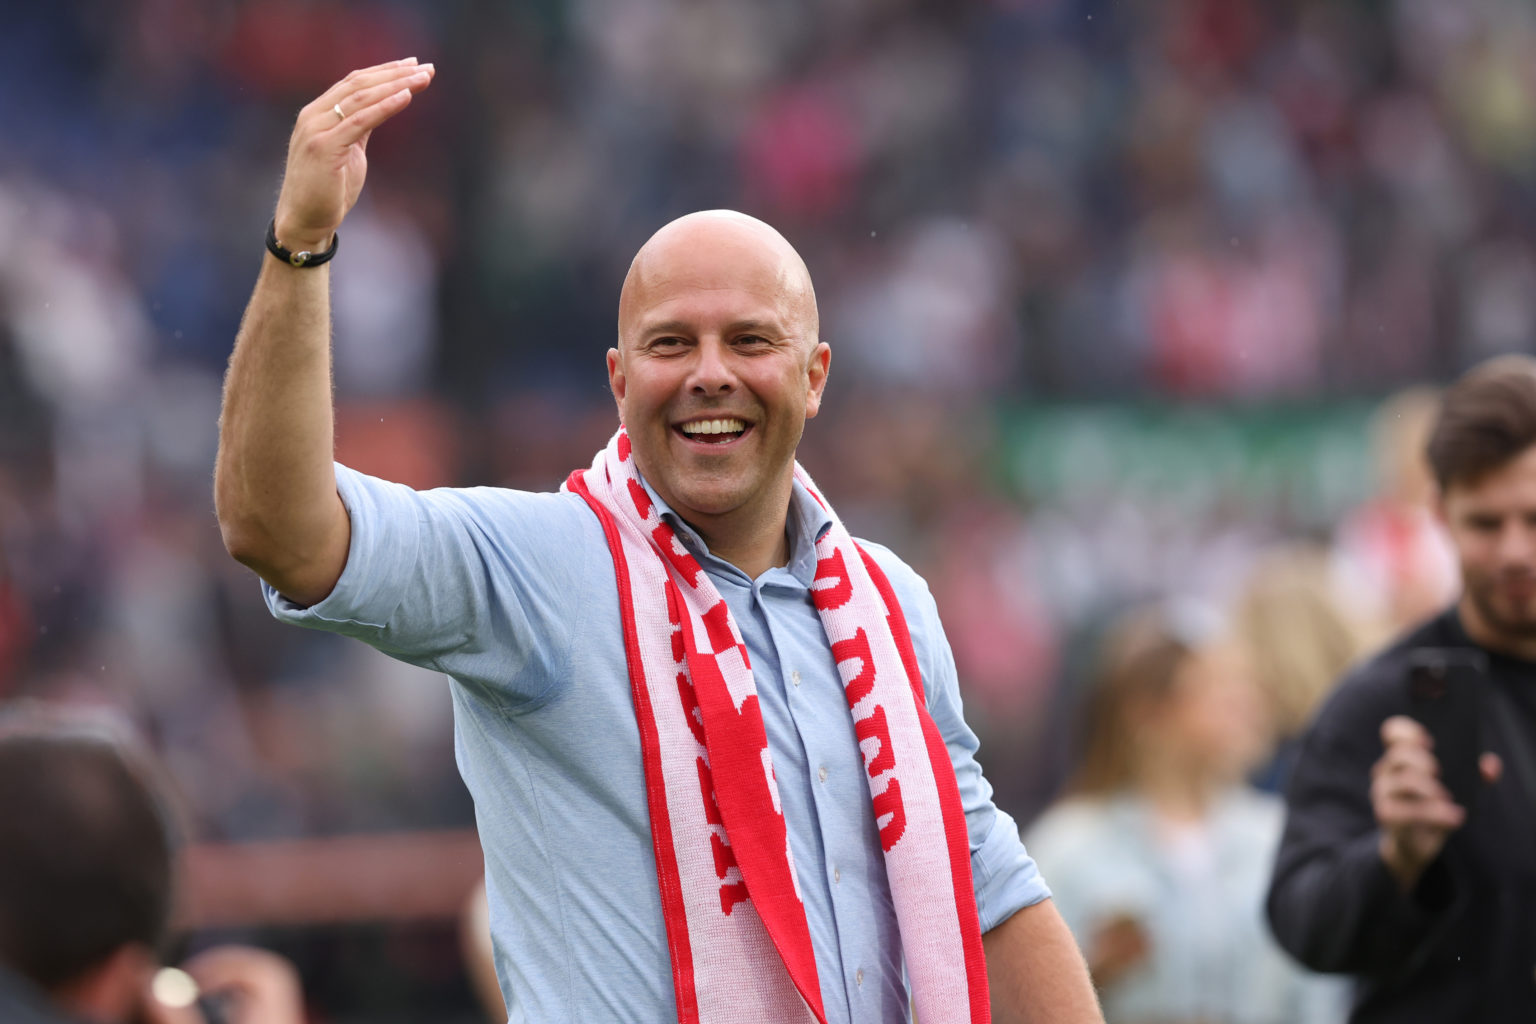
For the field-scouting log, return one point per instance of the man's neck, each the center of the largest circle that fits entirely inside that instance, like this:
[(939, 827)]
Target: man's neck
[(754, 538), (1490, 638), (754, 550)]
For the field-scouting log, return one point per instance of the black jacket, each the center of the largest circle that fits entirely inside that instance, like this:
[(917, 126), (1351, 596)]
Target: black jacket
[(1462, 946), (22, 1003)]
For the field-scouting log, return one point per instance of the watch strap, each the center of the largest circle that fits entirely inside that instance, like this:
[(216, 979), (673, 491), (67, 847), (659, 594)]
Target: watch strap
[(304, 258)]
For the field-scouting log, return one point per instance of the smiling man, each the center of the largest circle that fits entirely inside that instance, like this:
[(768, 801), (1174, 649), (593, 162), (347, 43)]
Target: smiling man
[(1409, 856), (715, 744), (718, 367)]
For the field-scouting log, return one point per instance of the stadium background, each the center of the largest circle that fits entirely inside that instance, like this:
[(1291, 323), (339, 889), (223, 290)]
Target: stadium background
[(1113, 291)]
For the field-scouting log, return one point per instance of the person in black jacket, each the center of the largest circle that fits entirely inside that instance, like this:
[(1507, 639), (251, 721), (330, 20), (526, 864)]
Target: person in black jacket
[(1409, 853)]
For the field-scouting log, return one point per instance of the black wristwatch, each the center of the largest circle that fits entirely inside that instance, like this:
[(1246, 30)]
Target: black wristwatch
[(304, 258)]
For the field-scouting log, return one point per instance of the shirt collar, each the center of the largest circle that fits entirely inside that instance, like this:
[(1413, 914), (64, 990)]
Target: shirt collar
[(807, 522)]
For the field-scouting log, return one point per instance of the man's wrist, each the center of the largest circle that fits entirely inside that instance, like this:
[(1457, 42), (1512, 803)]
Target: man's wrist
[(1406, 869), (299, 249), (1391, 857)]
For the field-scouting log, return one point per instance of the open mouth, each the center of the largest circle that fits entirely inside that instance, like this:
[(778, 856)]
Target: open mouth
[(722, 430)]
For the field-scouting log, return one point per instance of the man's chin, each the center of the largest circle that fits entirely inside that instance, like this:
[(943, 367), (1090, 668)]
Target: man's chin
[(706, 501), (1514, 620)]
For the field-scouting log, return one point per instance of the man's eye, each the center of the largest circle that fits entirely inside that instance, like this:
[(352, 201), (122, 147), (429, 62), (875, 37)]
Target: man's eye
[(751, 339), (666, 343)]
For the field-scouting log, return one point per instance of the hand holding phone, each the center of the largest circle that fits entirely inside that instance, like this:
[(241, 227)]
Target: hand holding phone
[(1445, 687), (226, 985), (1414, 809), (1426, 782)]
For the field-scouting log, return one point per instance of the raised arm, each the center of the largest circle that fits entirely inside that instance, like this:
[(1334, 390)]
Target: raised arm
[(274, 485)]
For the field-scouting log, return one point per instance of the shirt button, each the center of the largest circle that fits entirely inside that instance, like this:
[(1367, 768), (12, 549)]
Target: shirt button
[(794, 677), (837, 874), (858, 977), (821, 773)]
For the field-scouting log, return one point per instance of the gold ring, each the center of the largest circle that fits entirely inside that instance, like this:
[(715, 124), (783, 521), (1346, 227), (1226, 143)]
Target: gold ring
[(336, 108)]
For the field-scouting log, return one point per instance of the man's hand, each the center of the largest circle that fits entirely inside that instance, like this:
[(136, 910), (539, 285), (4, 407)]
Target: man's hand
[(1415, 811), (326, 155), (258, 987), (255, 987)]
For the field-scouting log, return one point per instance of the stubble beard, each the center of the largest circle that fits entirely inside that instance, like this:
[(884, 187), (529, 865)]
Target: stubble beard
[(1514, 627)]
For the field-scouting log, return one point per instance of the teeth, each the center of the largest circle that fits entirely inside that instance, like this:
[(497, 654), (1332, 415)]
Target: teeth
[(728, 426)]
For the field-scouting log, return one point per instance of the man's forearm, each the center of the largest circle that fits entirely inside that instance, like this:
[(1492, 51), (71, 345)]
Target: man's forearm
[(1036, 972), (1342, 911), (274, 483)]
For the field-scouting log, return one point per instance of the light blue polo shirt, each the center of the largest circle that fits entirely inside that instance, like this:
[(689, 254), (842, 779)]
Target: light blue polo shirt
[(512, 595)]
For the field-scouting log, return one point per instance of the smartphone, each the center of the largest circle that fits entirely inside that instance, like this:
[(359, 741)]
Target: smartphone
[(1445, 695)]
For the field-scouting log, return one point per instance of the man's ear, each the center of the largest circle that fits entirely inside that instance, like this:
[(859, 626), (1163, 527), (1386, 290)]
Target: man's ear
[(616, 381), (820, 364)]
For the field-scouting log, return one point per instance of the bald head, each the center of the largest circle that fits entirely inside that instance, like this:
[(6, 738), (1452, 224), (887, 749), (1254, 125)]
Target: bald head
[(714, 249)]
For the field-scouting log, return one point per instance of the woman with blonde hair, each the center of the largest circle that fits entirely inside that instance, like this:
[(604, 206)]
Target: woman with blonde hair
[(1159, 853), (1300, 635)]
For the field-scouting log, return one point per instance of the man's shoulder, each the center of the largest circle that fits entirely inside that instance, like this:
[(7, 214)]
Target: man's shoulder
[(488, 507), (493, 499), (902, 576)]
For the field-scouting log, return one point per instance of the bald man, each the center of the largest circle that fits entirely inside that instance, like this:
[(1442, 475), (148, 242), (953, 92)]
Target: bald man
[(715, 745)]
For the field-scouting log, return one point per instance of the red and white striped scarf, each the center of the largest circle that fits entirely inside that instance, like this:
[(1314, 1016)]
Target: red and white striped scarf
[(735, 922)]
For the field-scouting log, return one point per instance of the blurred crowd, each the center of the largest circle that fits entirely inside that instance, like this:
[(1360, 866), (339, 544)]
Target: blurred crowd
[(1114, 290)]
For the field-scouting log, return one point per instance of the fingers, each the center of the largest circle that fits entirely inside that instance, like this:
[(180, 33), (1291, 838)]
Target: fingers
[(266, 987), (320, 114), (1407, 759), (1402, 729), (1420, 806), (233, 966), (370, 89), (362, 78), (1406, 791), (373, 106)]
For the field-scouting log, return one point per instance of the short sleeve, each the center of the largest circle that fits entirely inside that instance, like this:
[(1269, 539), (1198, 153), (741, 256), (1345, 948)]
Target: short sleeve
[(471, 582)]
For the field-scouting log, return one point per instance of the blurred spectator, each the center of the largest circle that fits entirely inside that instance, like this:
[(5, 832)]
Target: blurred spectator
[(87, 847), (1158, 853), (1299, 636), (1393, 558), (1408, 850)]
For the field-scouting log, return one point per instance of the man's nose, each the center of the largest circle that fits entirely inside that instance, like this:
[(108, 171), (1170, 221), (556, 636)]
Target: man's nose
[(712, 373), (1518, 544)]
